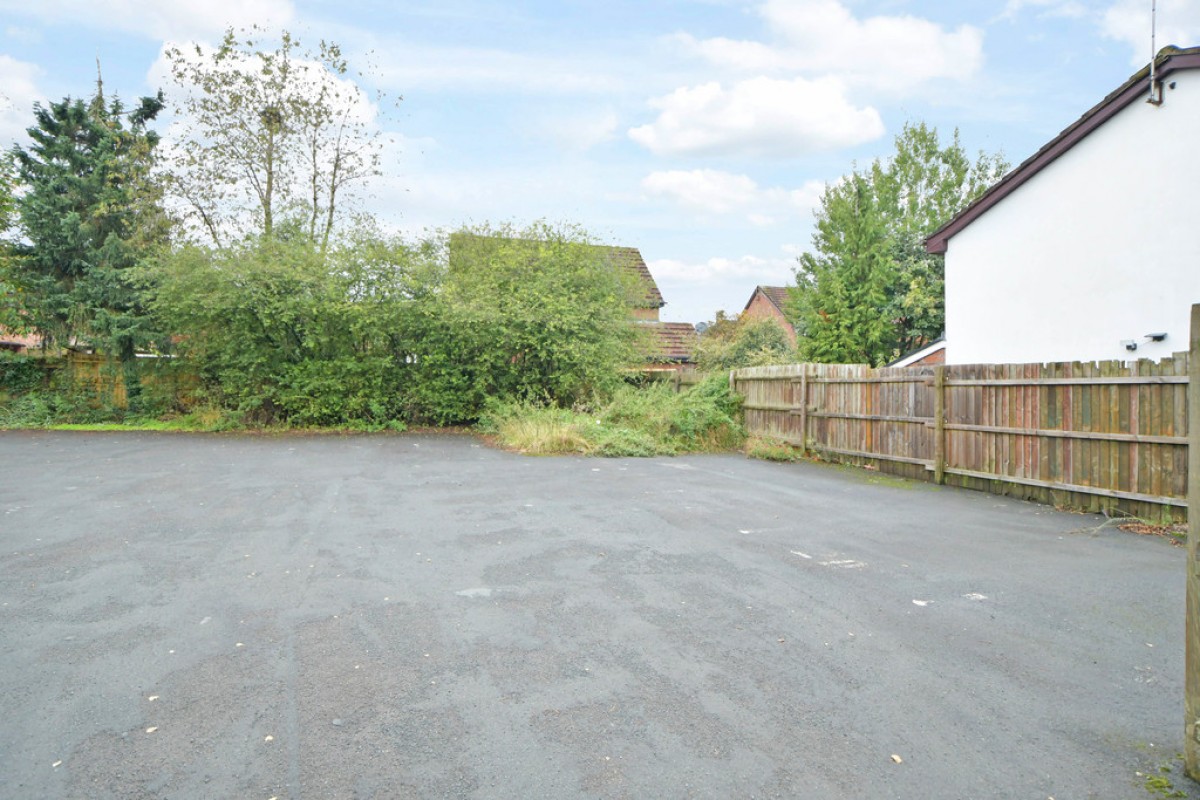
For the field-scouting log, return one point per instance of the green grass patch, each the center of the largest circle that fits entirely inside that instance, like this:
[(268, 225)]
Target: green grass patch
[(58, 412), (636, 421), (130, 425), (1160, 783), (538, 430)]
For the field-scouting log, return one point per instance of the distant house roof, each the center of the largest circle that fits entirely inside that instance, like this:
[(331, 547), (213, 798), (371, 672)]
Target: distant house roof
[(9, 340), (673, 341), (1169, 59), (627, 258), (778, 296), (630, 258)]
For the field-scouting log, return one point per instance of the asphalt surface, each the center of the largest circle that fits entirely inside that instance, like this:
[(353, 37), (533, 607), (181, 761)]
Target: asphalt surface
[(422, 616)]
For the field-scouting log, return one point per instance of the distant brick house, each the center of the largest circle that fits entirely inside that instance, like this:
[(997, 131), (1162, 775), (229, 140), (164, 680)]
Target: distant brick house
[(673, 344), (768, 302)]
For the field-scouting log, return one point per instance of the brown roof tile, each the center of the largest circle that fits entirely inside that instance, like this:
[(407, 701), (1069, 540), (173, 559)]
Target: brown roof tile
[(672, 341), (630, 258), (778, 295)]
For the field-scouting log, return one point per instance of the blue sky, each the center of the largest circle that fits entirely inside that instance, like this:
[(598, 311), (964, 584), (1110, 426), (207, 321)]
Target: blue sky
[(700, 131)]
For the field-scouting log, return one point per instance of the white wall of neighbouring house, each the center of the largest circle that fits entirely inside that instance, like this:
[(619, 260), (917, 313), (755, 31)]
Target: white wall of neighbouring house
[(1100, 247)]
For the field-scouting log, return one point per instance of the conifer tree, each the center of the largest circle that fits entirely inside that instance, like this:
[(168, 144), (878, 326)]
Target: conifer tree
[(843, 289), (88, 209)]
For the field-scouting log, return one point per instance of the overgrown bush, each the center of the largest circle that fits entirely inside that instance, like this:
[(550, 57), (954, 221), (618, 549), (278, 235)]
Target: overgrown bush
[(336, 392), (21, 374), (43, 408), (283, 333), (377, 330), (534, 314), (744, 342), (636, 421)]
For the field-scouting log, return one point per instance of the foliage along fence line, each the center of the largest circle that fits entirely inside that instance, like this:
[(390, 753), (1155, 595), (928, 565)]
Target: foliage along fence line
[(1108, 436), (104, 380)]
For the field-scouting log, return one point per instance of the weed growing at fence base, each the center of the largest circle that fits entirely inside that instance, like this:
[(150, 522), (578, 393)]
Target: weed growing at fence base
[(636, 421), (40, 409), (770, 449)]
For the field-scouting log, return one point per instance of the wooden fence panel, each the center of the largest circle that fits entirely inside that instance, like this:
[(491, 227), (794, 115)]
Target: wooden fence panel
[(1104, 436)]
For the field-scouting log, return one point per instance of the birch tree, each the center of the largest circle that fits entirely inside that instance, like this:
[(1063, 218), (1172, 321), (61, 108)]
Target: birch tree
[(270, 139)]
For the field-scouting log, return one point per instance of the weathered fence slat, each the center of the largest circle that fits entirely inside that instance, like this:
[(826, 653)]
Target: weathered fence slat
[(1114, 435), (1097, 381), (872, 417), (1054, 433), (803, 410), (865, 454), (1066, 487), (876, 379)]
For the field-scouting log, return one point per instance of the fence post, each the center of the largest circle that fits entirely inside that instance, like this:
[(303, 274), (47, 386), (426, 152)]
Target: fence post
[(803, 410), (939, 424), (1191, 682)]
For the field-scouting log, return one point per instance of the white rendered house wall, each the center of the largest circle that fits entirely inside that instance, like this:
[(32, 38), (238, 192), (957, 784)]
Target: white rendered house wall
[(1100, 247)]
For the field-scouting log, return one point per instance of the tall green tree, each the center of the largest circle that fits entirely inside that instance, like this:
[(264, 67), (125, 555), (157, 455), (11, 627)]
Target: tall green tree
[(925, 182), (8, 200), (271, 138), (894, 204), (842, 287), (88, 209), (9, 316)]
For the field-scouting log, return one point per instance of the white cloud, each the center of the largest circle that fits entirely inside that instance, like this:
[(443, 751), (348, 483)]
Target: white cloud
[(418, 68), (823, 36), (18, 93), (747, 270), (25, 35), (577, 132), (1129, 21), (714, 193), (159, 19), (1071, 9), (758, 117), (703, 190)]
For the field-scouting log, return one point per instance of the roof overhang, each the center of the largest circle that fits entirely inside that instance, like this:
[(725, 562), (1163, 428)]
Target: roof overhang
[(1169, 60), (917, 355)]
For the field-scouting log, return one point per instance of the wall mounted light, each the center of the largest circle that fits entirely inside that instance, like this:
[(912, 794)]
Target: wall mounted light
[(1156, 337)]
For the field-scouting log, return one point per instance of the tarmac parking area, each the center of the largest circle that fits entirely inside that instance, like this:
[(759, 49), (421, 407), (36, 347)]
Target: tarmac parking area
[(423, 616)]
